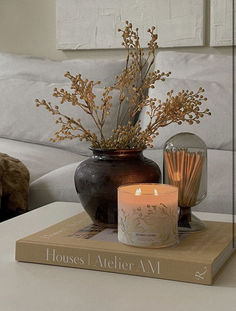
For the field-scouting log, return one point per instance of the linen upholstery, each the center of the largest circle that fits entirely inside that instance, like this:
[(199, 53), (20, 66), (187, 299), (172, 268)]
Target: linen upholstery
[(24, 78), (40, 69), (57, 185), (190, 71), (196, 66), (51, 187), (52, 168), (215, 130), (38, 159), (21, 120)]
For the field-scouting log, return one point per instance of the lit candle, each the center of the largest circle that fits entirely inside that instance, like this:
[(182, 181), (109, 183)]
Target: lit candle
[(148, 215)]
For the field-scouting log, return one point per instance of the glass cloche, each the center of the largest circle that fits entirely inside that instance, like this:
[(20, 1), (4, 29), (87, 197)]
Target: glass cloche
[(185, 166)]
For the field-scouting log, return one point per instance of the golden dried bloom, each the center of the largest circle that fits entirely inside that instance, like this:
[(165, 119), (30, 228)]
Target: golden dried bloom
[(133, 84)]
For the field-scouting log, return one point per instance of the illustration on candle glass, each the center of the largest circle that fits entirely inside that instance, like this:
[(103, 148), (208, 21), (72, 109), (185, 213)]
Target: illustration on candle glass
[(143, 222)]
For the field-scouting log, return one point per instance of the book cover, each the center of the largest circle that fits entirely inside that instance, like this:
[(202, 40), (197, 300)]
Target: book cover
[(77, 242)]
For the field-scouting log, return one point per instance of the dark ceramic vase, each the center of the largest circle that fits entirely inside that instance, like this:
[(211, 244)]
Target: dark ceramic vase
[(97, 180)]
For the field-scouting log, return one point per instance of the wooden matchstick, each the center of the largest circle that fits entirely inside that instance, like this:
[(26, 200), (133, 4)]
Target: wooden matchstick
[(184, 170)]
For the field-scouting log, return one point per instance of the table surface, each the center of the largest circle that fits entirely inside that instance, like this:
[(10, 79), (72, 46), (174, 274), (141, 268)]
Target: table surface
[(25, 286)]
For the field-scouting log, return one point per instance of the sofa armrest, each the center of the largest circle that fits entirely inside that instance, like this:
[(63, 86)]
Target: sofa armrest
[(58, 185)]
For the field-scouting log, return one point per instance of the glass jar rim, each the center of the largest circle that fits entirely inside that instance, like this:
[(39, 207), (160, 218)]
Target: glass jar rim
[(138, 185)]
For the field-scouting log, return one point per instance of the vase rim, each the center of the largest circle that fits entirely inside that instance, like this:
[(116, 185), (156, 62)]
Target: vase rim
[(105, 150)]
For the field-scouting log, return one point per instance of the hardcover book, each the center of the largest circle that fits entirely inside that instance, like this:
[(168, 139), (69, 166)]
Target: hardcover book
[(77, 242)]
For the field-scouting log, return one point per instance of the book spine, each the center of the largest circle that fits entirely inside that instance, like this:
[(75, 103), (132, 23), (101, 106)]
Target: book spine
[(170, 269)]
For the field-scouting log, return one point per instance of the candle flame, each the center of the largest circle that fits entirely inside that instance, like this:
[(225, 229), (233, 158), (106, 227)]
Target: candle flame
[(155, 192), (138, 191)]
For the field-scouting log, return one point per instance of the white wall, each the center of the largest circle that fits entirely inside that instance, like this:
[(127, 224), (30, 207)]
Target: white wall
[(29, 27)]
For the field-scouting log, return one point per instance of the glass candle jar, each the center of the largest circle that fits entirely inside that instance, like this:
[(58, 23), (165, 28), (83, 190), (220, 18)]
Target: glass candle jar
[(185, 166), (148, 215)]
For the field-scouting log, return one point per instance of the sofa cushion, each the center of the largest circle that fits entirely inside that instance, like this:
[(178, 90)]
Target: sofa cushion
[(215, 130), (37, 69), (38, 159), (190, 71), (52, 187), (21, 120), (194, 66)]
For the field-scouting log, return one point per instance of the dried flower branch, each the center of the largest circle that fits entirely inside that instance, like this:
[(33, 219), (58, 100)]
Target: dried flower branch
[(133, 84)]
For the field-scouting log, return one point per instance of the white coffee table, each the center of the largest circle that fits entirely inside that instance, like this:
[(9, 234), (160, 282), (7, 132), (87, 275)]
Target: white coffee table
[(34, 287)]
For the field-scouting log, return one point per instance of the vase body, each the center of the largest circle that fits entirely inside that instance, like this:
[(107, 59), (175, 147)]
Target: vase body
[(97, 180)]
